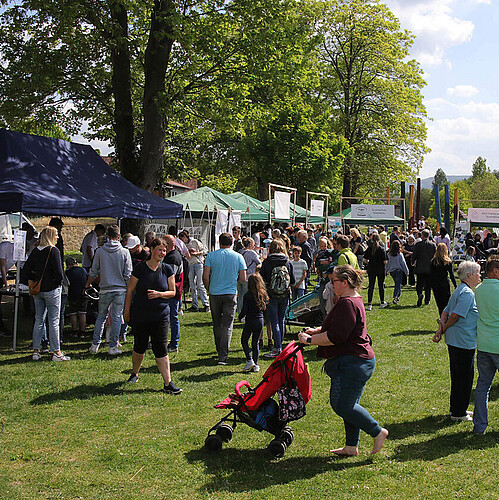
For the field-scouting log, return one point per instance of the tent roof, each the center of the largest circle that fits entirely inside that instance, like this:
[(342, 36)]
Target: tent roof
[(63, 178), (206, 199), (301, 213), (347, 217)]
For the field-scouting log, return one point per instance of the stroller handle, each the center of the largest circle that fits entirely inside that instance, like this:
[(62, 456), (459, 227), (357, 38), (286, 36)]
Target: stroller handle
[(243, 383)]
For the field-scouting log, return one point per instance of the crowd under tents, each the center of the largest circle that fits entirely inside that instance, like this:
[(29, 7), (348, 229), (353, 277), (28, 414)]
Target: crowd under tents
[(46, 176)]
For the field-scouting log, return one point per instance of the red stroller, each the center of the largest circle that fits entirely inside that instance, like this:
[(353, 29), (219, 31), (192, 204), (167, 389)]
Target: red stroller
[(288, 376)]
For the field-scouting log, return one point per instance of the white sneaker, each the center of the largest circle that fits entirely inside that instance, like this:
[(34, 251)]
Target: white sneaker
[(37, 356), (114, 351), (465, 418), (383, 305), (256, 368), (249, 365), (369, 307), (60, 357), (93, 348)]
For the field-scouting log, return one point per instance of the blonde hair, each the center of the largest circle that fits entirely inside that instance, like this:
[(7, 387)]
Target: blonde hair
[(441, 257), (354, 232), (48, 236), (350, 275), (277, 246)]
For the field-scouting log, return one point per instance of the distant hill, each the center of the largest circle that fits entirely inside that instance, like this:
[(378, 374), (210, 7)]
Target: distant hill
[(426, 183)]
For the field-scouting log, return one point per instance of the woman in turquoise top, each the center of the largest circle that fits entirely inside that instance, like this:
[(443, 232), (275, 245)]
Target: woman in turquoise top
[(458, 323)]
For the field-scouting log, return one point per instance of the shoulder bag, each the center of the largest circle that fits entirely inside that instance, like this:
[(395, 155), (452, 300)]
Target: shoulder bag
[(34, 286)]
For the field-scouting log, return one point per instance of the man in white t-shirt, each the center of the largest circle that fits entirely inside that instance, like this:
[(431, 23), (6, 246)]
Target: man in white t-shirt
[(196, 260), (300, 269), (89, 245)]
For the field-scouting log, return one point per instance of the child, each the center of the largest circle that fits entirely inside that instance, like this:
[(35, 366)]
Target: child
[(77, 303), (323, 258), (470, 254), (300, 269), (254, 303), (328, 292)]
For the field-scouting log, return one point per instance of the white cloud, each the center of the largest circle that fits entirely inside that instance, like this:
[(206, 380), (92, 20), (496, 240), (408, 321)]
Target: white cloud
[(436, 27), (464, 132), (462, 91)]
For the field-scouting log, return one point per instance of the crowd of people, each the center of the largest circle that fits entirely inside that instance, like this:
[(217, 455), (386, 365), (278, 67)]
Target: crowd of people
[(256, 276)]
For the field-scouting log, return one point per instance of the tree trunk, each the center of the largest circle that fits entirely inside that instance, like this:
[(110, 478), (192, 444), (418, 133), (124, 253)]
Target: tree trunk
[(157, 57), (122, 93)]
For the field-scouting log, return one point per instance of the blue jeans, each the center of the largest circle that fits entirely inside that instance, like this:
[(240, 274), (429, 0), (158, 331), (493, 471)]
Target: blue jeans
[(64, 299), (349, 375), (488, 365), (174, 323), (47, 304), (196, 284), (398, 276), (276, 311), (117, 300), (297, 293)]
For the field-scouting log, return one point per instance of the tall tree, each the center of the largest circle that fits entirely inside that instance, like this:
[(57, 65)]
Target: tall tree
[(439, 178), (479, 168), (374, 92)]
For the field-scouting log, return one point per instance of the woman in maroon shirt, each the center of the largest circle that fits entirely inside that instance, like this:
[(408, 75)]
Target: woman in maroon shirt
[(344, 342)]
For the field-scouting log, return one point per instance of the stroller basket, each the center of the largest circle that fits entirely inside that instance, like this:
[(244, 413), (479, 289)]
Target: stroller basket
[(258, 409)]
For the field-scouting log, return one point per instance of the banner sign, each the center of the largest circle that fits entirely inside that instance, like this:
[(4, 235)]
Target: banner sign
[(334, 224), (317, 208), (373, 211), (282, 202), (19, 246), (487, 216), (459, 246)]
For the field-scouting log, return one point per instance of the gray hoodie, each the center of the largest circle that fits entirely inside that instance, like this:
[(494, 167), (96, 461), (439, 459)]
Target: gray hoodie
[(114, 264)]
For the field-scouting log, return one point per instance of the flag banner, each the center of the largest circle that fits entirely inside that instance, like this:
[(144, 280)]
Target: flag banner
[(282, 202)]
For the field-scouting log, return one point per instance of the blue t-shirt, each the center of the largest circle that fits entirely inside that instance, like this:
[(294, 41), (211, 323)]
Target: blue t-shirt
[(463, 333), (225, 265), (145, 310), (77, 277)]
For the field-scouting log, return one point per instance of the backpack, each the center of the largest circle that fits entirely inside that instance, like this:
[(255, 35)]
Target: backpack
[(279, 281)]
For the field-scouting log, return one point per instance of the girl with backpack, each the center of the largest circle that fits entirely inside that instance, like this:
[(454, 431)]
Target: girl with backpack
[(277, 273), (254, 304)]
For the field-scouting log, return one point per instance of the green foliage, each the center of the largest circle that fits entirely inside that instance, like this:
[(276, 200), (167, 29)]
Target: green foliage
[(373, 90), (479, 168), (223, 182), (440, 179)]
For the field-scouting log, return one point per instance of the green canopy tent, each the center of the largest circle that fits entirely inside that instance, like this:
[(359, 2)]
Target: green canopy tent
[(301, 213)]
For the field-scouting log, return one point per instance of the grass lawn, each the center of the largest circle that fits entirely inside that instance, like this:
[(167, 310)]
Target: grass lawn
[(76, 430)]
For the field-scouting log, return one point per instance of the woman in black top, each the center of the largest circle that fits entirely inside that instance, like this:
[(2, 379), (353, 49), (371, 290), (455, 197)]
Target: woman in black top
[(440, 272), (44, 263), (376, 260), (147, 309)]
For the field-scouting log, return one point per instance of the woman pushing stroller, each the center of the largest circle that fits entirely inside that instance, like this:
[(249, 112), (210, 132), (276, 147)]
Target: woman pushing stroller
[(344, 343)]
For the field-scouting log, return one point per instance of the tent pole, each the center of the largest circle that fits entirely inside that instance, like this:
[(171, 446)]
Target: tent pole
[(16, 297), (119, 223)]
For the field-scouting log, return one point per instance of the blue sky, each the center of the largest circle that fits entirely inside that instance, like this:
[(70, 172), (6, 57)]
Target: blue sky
[(457, 44)]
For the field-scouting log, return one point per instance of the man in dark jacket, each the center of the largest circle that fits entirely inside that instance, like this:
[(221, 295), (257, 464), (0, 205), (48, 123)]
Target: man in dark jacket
[(174, 259), (424, 251)]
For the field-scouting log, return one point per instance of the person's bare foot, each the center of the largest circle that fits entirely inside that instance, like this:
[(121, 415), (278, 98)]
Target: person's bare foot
[(346, 451), (379, 441)]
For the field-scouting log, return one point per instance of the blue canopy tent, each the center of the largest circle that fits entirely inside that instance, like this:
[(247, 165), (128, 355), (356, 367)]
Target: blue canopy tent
[(42, 175), (68, 179)]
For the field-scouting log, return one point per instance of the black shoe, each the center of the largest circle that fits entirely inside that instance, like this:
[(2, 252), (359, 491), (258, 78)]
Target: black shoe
[(420, 300), (193, 309), (171, 388), (133, 379)]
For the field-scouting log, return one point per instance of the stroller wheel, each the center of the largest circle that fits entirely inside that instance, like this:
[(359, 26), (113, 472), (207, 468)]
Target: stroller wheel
[(225, 432), (287, 436), (277, 448), (213, 443)]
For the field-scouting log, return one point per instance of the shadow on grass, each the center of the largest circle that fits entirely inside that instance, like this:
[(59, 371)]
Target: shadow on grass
[(427, 425), (84, 391), (253, 470), (443, 446), (411, 333)]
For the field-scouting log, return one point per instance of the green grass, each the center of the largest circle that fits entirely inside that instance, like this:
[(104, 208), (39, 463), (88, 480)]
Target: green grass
[(75, 430)]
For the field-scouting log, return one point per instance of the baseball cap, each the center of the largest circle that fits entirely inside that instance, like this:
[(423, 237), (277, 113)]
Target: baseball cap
[(132, 241)]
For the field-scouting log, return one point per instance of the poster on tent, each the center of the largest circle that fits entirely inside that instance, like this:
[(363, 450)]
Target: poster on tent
[(334, 224), (19, 254), (234, 219), (221, 225), (317, 208), (459, 246), (282, 203)]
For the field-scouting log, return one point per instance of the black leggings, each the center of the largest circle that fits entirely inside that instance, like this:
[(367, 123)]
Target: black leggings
[(158, 331), (461, 378), (381, 286), (251, 327)]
